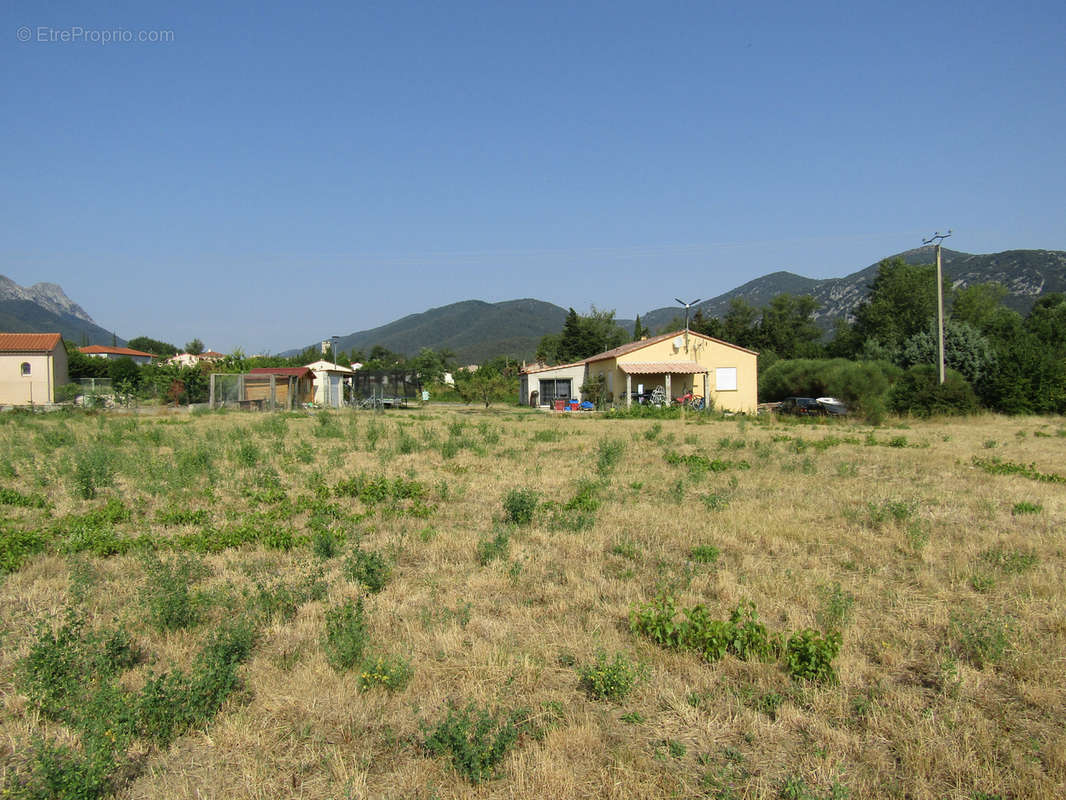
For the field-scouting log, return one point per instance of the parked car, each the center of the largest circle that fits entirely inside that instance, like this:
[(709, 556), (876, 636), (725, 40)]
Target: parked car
[(812, 407)]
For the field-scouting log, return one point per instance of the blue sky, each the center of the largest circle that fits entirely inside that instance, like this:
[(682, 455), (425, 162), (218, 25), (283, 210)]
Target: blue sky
[(273, 175)]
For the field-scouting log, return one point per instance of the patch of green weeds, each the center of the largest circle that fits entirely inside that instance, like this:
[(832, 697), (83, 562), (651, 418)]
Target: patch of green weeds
[(166, 593), (715, 501), (610, 679), (996, 466), (626, 549), (1026, 508), (17, 546), (182, 516), (797, 789), (704, 554), (13, 497), (809, 656), (93, 469), (519, 505), (474, 739), (387, 672), (368, 567), (609, 453), (652, 433), (346, 637), (835, 611), (981, 639), (742, 635), (1010, 562), (492, 548)]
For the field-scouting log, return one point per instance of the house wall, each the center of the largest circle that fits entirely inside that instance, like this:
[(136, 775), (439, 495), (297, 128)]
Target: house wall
[(706, 352), (530, 382), (47, 370)]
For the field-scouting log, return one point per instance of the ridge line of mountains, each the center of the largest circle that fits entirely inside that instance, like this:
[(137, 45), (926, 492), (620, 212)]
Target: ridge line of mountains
[(475, 330)]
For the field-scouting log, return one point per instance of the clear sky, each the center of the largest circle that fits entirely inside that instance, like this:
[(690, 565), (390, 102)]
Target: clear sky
[(269, 175)]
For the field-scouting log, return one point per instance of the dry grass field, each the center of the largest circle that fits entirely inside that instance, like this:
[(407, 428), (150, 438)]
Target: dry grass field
[(446, 603)]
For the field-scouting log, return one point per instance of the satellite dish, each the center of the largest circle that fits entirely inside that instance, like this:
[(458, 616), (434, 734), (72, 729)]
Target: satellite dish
[(678, 341)]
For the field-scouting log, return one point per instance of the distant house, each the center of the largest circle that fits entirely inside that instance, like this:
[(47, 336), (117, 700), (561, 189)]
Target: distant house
[(679, 362), (329, 384), (99, 351), (192, 359), (32, 365)]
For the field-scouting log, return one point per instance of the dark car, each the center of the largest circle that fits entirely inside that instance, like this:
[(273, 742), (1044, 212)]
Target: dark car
[(812, 407)]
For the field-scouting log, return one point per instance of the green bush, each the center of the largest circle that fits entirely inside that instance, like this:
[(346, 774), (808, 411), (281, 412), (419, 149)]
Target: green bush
[(704, 554), (809, 656), (519, 506), (474, 739), (369, 568), (919, 392), (861, 385), (346, 637)]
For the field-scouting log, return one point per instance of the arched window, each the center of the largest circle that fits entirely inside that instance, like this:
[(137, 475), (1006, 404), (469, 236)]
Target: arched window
[(25, 368)]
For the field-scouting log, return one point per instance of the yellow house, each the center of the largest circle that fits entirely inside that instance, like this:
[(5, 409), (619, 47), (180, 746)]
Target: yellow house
[(32, 365), (680, 362)]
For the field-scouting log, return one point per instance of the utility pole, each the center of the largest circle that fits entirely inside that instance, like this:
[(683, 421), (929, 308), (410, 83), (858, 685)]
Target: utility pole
[(938, 238)]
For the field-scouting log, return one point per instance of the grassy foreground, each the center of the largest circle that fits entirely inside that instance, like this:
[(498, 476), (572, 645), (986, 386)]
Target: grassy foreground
[(503, 603)]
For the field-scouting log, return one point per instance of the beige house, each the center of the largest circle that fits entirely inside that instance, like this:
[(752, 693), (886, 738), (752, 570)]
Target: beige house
[(32, 365), (679, 363)]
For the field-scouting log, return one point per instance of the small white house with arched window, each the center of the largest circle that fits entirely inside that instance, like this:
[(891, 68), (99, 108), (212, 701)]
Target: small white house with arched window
[(32, 365)]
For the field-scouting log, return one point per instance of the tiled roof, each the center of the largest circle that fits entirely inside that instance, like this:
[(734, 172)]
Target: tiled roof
[(661, 367), (115, 351), (29, 342), (531, 370), (629, 347)]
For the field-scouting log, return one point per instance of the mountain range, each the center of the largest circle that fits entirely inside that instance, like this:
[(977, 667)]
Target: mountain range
[(476, 331), (45, 308)]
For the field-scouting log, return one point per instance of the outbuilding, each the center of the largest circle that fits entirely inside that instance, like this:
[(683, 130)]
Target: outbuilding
[(32, 365)]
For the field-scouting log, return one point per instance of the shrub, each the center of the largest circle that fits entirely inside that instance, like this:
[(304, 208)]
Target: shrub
[(920, 393), (474, 739), (93, 469), (519, 506), (609, 680), (369, 568), (171, 606), (809, 656), (346, 636), (18, 545)]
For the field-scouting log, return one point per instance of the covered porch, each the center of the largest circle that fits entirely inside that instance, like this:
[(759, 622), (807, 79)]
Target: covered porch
[(673, 376)]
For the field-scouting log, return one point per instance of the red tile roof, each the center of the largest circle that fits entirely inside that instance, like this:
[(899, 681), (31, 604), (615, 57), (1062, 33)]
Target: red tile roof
[(97, 349), (629, 347), (661, 367), (29, 342)]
